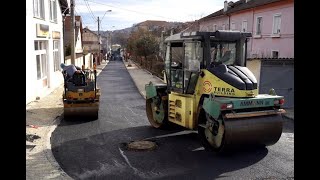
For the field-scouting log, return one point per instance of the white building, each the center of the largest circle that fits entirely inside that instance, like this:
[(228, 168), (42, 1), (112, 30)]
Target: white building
[(44, 46)]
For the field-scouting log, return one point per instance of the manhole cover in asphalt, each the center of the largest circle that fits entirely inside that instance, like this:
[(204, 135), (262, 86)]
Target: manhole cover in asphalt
[(142, 145)]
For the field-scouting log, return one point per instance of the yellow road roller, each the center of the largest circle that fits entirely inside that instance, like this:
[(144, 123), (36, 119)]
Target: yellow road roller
[(81, 95), (208, 88)]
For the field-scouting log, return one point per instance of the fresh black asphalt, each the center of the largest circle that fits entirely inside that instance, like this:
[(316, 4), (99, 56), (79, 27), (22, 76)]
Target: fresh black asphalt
[(96, 149)]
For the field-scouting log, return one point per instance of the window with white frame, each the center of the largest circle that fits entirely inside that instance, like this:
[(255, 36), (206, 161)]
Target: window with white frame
[(275, 54), (38, 9), (40, 48), (276, 24), (223, 27), (56, 55), (233, 26), (53, 10), (244, 26), (259, 26), (215, 27)]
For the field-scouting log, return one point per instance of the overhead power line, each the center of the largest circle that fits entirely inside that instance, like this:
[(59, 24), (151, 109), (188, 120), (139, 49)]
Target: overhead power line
[(84, 18), (89, 10)]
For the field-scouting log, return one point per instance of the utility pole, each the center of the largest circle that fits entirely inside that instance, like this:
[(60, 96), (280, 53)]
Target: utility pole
[(64, 32), (72, 33), (99, 41)]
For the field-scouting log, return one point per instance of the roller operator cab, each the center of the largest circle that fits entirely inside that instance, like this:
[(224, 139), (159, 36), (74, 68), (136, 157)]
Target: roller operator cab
[(208, 88)]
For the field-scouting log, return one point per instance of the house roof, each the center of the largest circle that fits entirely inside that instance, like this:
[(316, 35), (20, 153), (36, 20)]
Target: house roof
[(86, 29), (239, 6)]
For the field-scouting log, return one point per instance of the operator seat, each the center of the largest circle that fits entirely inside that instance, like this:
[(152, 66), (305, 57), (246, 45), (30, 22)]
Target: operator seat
[(79, 79)]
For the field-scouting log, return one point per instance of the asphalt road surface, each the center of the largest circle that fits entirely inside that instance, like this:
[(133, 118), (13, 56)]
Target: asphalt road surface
[(97, 149)]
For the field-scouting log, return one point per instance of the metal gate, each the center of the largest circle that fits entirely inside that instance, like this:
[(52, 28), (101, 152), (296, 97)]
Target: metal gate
[(279, 75)]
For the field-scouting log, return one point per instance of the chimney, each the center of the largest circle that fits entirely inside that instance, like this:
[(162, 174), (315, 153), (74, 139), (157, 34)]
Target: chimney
[(225, 6)]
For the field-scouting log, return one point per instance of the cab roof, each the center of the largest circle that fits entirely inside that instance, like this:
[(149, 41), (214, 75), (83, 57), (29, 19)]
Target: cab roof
[(219, 35)]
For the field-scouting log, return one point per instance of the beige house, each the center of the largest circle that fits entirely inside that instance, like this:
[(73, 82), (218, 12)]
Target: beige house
[(90, 41), (92, 44)]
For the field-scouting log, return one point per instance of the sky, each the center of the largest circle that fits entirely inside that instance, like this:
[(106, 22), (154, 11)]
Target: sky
[(125, 13)]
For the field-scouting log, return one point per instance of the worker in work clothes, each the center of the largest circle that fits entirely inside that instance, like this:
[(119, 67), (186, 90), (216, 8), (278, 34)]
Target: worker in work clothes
[(70, 69)]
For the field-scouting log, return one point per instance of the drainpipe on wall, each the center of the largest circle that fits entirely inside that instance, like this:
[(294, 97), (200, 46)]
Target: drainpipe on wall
[(229, 21), (83, 59), (252, 31)]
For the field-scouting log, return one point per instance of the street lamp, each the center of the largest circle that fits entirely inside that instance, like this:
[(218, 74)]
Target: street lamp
[(106, 13), (99, 38)]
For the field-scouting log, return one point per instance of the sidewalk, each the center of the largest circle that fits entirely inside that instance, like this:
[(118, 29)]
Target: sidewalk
[(42, 117), (141, 77)]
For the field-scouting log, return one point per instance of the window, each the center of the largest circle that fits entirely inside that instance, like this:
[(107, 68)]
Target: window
[(193, 56), (215, 27), (177, 59), (38, 9), (167, 62), (276, 24), (224, 52), (259, 26), (53, 10), (244, 26), (223, 27), (41, 58), (275, 54), (56, 55), (233, 26)]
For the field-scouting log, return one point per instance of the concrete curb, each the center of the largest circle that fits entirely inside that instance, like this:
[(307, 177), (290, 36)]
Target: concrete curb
[(146, 70), (46, 144), (126, 65), (48, 151)]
